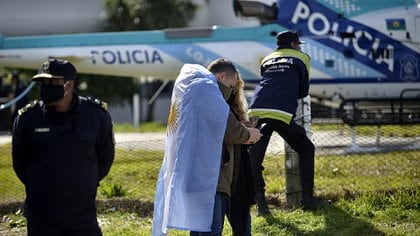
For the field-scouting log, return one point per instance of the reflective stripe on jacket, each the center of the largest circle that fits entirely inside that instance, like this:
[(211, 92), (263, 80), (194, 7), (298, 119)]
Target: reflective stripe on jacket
[(285, 78)]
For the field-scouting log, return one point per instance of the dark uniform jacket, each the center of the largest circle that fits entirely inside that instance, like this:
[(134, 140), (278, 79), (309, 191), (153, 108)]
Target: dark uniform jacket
[(285, 78), (60, 158)]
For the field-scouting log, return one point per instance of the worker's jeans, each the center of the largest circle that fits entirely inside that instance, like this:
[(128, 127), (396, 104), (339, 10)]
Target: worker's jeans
[(296, 137)]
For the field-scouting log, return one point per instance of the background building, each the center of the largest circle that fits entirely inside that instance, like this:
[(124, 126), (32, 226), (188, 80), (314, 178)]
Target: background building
[(39, 17)]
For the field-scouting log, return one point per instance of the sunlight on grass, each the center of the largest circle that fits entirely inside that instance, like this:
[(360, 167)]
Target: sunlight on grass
[(137, 170), (385, 130), (337, 175), (118, 223), (143, 127), (377, 194), (345, 217)]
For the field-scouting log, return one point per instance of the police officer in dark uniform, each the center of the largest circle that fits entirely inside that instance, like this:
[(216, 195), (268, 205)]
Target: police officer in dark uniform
[(285, 79), (62, 147)]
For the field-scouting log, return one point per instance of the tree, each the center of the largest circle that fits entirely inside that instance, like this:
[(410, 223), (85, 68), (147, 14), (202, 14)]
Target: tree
[(122, 15), (126, 15), (111, 89)]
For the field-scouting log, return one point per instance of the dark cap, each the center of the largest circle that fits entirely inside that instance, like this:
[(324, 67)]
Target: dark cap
[(56, 69), (287, 37)]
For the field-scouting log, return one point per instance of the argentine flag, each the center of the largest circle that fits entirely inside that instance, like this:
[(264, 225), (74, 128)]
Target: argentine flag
[(189, 173)]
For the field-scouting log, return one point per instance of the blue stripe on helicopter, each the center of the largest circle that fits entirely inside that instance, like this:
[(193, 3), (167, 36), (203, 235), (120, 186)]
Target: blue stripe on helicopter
[(192, 53), (311, 18), (216, 34)]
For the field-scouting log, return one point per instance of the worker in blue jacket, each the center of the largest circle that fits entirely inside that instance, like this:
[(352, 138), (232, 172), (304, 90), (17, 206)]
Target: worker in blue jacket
[(285, 79), (62, 147)]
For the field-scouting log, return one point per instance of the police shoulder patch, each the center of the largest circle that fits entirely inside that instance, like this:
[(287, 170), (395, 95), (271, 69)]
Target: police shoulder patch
[(97, 102), (29, 106)]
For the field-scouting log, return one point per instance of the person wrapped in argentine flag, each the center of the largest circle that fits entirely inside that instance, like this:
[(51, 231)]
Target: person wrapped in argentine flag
[(189, 173)]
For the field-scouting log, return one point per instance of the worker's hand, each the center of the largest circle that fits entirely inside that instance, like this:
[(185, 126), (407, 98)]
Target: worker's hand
[(254, 136), (252, 122)]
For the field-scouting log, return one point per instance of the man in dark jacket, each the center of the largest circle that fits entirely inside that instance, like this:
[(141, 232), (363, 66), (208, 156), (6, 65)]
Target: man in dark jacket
[(285, 79), (62, 147)]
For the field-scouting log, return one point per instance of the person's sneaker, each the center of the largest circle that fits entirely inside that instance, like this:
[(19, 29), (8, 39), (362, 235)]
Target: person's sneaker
[(314, 204)]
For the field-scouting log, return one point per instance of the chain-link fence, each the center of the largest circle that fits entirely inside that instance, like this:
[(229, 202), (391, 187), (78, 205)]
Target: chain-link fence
[(354, 160), (348, 161)]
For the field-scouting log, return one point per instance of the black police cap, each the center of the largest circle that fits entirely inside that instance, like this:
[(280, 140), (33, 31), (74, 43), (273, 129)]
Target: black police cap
[(287, 37), (56, 69)]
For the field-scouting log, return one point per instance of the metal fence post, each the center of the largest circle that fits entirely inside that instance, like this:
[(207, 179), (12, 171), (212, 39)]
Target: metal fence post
[(293, 188), (136, 110)]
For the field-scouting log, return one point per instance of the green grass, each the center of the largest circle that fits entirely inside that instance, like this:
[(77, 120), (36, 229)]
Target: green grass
[(385, 130), (382, 213), (11, 188), (374, 194), (143, 127), (137, 171), (339, 175)]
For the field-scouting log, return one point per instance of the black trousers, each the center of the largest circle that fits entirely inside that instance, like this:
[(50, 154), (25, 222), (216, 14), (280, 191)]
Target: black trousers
[(242, 196), (295, 136), (39, 228)]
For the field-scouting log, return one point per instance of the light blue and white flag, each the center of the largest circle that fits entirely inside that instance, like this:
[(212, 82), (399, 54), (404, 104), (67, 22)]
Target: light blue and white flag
[(190, 170)]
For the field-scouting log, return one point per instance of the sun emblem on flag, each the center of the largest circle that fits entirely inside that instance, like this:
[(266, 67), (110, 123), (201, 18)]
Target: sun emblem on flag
[(173, 118), (396, 24)]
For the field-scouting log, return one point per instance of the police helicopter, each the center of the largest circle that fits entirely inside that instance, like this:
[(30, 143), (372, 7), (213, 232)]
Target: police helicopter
[(364, 54)]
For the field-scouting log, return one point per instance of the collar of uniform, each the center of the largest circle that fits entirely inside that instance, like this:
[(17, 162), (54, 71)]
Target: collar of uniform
[(49, 111), (284, 47)]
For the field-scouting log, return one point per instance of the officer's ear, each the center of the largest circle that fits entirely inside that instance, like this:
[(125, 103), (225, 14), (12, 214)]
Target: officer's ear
[(69, 86), (76, 85), (295, 45)]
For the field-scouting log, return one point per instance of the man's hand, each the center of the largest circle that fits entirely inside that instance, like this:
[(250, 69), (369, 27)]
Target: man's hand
[(254, 136)]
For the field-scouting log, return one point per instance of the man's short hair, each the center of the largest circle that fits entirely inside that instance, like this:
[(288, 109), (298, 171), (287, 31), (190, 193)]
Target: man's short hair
[(222, 65)]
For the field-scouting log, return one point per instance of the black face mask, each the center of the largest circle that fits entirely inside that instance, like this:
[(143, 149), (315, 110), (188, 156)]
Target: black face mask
[(51, 93)]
